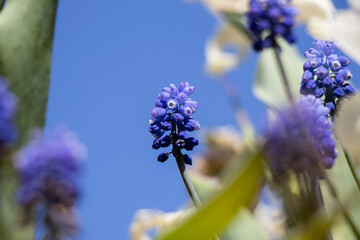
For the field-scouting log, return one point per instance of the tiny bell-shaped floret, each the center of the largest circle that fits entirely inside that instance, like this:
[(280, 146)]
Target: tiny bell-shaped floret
[(163, 157)]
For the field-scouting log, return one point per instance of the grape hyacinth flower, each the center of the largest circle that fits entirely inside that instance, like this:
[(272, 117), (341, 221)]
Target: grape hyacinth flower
[(268, 19), (49, 167), (326, 75), (173, 112), (301, 138), (8, 107)]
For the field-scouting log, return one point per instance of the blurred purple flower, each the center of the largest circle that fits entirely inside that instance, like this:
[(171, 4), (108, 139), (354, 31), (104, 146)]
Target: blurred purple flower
[(49, 168), (268, 19), (8, 107), (301, 138)]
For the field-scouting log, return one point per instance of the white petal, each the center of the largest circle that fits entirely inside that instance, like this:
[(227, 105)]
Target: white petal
[(355, 4), (236, 6), (218, 60), (146, 219), (347, 126), (314, 9)]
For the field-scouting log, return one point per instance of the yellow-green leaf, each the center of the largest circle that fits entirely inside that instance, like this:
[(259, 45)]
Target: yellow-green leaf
[(215, 216)]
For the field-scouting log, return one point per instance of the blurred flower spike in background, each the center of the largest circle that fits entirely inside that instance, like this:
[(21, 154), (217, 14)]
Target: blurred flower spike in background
[(268, 19), (173, 112), (49, 170), (8, 106), (301, 138), (326, 74)]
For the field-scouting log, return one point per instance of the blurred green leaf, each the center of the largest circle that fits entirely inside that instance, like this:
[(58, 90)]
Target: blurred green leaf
[(243, 224), (26, 39), (341, 177), (215, 216), (236, 19), (268, 86), (317, 228)]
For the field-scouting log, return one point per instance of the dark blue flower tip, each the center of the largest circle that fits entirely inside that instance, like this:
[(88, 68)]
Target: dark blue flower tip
[(319, 93), (311, 84), (163, 157), (349, 89), (190, 143), (267, 20), (339, 93), (183, 135), (327, 82), (166, 126), (338, 79), (331, 106), (178, 118), (187, 159), (154, 128), (307, 75)]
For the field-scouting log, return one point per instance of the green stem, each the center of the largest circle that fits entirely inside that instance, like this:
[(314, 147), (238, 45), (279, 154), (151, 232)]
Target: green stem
[(185, 177), (352, 169), (283, 74)]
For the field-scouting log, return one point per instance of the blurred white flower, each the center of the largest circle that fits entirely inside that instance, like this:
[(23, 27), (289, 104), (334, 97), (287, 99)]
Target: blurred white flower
[(347, 126), (222, 144), (218, 59), (146, 219)]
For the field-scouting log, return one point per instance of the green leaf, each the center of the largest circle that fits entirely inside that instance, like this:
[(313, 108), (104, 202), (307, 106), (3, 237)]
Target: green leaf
[(345, 186), (26, 39), (215, 216), (268, 86), (243, 224)]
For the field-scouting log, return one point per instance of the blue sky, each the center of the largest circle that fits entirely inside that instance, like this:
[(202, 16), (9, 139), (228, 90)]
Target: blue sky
[(110, 61)]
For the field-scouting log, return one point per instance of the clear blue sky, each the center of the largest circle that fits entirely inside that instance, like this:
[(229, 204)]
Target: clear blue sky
[(111, 59)]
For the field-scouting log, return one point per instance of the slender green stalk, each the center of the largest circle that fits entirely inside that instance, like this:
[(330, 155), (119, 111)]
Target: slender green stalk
[(185, 177), (352, 169), (283, 74)]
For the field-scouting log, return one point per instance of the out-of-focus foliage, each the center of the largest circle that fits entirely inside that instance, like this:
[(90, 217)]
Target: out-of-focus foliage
[(347, 126), (268, 85), (214, 216), (26, 37), (345, 186)]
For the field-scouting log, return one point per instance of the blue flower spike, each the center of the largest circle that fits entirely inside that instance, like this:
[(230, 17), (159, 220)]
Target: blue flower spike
[(326, 75), (269, 19), (173, 113)]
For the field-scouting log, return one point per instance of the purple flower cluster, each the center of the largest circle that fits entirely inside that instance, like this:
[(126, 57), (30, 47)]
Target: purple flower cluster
[(268, 19), (8, 107), (326, 74), (301, 138), (49, 168), (173, 112)]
